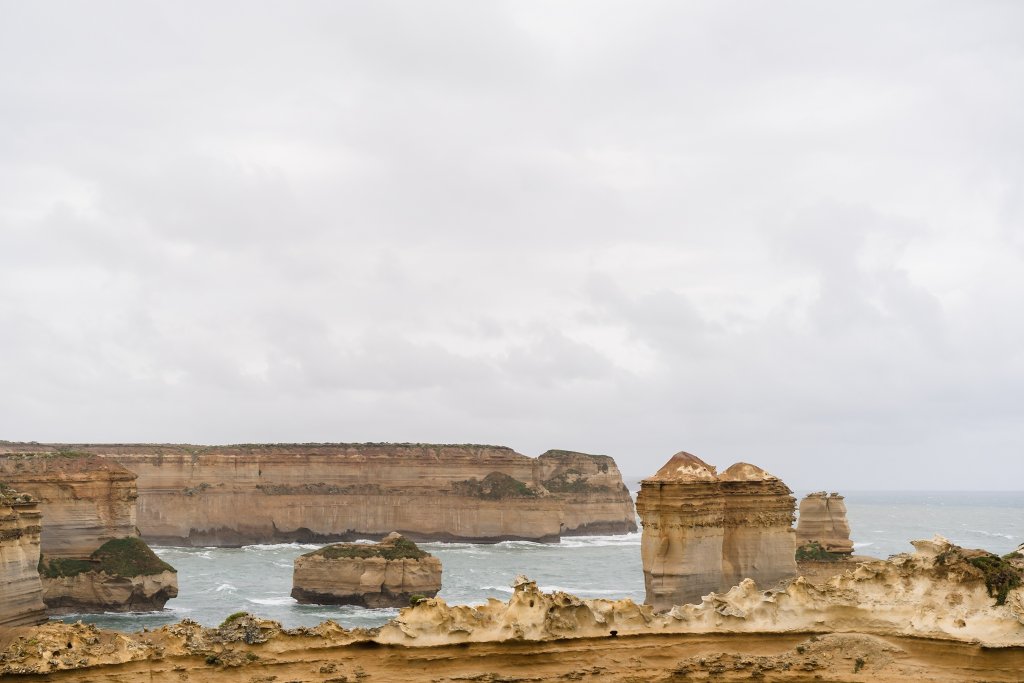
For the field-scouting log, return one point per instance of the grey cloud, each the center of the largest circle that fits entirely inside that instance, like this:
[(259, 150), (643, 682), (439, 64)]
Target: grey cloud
[(784, 233)]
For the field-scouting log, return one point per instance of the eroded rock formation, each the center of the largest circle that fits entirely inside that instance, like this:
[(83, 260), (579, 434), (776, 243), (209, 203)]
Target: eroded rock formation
[(703, 532), (823, 520), (682, 512), (935, 614), (233, 495), (20, 591), (385, 574), (122, 575), (759, 542), (91, 556)]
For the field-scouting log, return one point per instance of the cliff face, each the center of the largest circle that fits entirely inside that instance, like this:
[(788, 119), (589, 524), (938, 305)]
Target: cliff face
[(86, 500), (20, 591), (703, 532), (233, 495), (385, 574), (89, 512), (823, 519)]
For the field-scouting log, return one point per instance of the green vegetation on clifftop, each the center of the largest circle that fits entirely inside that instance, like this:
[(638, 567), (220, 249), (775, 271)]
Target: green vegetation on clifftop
[(118, 557)]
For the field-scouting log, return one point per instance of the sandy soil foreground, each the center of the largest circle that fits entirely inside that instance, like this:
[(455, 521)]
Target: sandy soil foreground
[(832, 657)]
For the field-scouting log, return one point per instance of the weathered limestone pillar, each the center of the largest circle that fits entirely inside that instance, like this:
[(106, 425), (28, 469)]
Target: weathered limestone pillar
[(823, 519), (681, 511), (21, 594), (759, 541)]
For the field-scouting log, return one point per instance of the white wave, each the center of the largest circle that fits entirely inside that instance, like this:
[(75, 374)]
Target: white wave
[(600, 541), (579, 591), (225, 587), (286, 565), (286, 600), (500, 589), (990, 534), (282, 546)]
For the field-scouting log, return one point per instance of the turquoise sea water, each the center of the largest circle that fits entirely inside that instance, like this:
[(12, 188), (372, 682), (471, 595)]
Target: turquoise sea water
[(215, 582)]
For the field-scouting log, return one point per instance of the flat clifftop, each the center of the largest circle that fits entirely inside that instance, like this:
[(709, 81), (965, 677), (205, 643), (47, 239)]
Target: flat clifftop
[(18, 463), (380, 449)]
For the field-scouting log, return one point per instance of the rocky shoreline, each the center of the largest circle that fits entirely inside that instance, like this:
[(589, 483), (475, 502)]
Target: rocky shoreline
[(939, 610)]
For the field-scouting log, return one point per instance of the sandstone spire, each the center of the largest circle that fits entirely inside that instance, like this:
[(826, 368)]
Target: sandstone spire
[(759, 541), (823, 519), (682, 512)]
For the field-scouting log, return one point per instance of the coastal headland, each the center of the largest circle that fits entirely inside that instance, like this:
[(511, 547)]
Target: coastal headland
[(272, 493)]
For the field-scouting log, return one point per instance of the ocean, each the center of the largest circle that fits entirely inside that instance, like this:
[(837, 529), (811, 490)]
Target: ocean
[(216, 582)]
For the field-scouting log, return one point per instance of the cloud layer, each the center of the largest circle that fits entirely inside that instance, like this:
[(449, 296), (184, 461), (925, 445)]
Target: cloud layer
[(791, 234)]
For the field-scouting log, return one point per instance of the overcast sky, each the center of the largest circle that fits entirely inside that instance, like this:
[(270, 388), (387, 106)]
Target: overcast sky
[(785, 233)]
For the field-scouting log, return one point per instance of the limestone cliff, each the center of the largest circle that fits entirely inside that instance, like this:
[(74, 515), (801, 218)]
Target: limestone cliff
[(823, 520), (233, 495), (385, 574), (86, 500), (91, 557), (703, 532), (20, 592)]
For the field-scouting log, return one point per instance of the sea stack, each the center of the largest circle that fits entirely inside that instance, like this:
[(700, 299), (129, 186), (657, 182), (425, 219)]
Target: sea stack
[(759, 542), (385, 574), (704, 532), (682, 513), (823, 520), (21, 594), (91, 558)]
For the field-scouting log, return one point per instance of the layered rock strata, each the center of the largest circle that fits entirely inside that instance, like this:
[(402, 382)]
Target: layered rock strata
[(928, 615), (91, 557), (122, 575), (385, 574), (20, 591), (823, 520), (87, 500), (682, 513), (703, 532), (759, 541), (235, 495)]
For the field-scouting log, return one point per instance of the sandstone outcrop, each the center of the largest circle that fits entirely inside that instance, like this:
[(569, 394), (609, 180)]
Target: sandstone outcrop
[(823, 520), (91, 557), (122, 575), (235, 495), (703, 532), (939, 614), (385, 574), (20, 591)]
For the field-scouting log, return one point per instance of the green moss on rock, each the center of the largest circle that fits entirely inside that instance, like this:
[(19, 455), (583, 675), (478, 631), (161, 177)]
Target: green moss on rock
[(495, 486), (400, 549), (1001, 577), (118, 557), (814, 552)]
